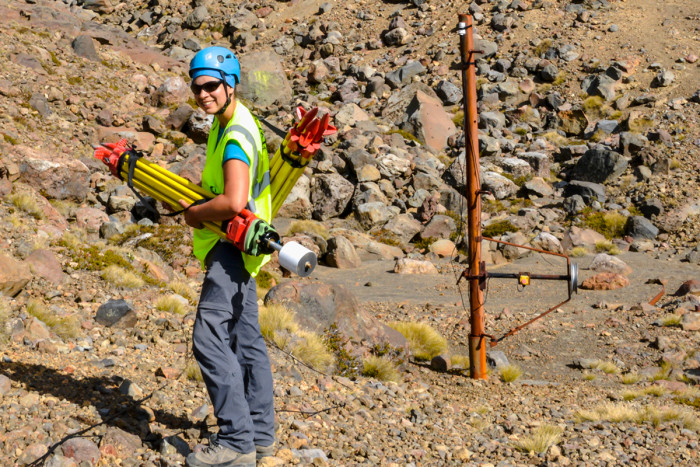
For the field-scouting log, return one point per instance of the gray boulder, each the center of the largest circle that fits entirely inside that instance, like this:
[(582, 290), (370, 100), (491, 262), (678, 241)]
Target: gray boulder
[(263, 80), (599, 166), (498, 185), (330, 195), (341, 254), (641, 227), (404, 75), (84, 46), (588, 191)]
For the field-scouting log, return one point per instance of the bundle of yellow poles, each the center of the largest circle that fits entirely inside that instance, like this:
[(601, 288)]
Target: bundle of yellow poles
[(300, 145), (296, 151)]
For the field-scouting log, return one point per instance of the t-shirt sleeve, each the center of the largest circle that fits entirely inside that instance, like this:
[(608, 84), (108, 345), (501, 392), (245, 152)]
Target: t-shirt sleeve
[(234, 151)]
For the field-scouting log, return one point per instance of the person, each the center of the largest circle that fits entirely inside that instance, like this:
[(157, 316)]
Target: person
[(227, 341)]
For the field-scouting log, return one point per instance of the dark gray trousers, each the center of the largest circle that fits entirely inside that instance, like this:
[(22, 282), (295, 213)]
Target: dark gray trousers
[(231, 352)]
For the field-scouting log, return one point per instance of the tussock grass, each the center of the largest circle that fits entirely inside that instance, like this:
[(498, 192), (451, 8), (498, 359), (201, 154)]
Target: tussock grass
[(277, 324), (71, 241), (120, 277), (171, 304), (578, 252), (193, 372), (541, 439), (671, 320), (610, 224), (690, 396), (460, 361), (424, 341), (311, 350), (27, 203), (555, 138), (607, 247), (65, 327), (655, 390), (588, 376), (665, 369), (631, 378), (308, 226), (4, 317), (620, 413), (510, 373), (183, 289), (606, 367), (379, 368)]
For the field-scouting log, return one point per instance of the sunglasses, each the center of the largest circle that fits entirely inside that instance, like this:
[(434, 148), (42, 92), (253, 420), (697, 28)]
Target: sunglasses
[(209, 87)]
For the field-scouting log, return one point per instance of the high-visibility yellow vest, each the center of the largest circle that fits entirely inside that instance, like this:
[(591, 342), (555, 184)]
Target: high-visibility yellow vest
[(245, 129)]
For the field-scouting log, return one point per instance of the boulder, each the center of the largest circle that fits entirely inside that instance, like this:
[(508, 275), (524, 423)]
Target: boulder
[(599, 166), (117, 313), (341, 254), (318, 306), (538, 187), (599, 85), (44, 264), (81, 450), (414, 266), (349, 114), (440, 227), (606, 263), (688, 287), (398, 102), (119, 443), (427, 119), (605, 281), (13, 276), (56, 176), (498, 185), (263, 80), (84, 46), (587, 190), (375, 214), (641, 227), (330, 195), (403, 228), (404, 75), (548, 242), (581, 237), (173, 91), (444, 248), (90, 219)]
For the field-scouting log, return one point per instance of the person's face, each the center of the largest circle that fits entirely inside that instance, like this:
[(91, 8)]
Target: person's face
[(209, 93)]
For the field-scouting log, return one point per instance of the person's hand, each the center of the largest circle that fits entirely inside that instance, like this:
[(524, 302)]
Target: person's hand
[(190, 215)]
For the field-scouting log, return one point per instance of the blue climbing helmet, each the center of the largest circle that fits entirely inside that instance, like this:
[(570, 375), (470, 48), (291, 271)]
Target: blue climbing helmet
[(217, 62)]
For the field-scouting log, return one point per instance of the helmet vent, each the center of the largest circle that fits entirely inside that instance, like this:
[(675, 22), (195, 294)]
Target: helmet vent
[(220, 58)]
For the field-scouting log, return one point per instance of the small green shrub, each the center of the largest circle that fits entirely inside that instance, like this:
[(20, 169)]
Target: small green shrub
[(193, 372), (610, 224), (607, 247), (346, 364), (578, 252), (671, 320), (498, 228), (265, 280)]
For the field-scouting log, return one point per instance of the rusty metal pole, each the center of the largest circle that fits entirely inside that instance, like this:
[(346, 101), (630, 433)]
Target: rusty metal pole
[(477, 347)]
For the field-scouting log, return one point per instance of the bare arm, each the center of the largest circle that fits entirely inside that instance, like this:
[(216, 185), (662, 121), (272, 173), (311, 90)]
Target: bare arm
[(227, 205)]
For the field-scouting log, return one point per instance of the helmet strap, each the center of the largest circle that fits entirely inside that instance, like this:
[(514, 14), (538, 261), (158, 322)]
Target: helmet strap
[(228, 97)]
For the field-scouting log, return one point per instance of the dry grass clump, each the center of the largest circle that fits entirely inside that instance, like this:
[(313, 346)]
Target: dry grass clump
[(425, 342), (183, 289), (606, 367), (65, 327), (607, 247), (27, 203), (671, 320), (379, 368), (277, 324), (631, 378), (510, 373), (4, 316), (655, 390), (193, 372), (555, 138), (619, 413), (460, 361), (307, 227), (120, 277), (578, 252), (311, 350), (172, 304), (541, 439), (588, 376)]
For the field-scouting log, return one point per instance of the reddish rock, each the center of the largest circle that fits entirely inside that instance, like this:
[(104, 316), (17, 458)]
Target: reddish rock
[(81, 450), (13, 276), (118, 443), (168, 372), (5, 385), (55, 175), (36, 330), (90, 219), (44, 264), (444, 248), (688, 287), (432, 125), (605, 281), (341, 254), (691, 321)]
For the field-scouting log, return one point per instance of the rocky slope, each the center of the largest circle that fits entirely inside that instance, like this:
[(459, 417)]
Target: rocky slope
[(588, 116)]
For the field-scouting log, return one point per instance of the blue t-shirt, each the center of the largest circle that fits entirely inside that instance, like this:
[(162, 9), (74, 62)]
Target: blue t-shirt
[(232, 150)]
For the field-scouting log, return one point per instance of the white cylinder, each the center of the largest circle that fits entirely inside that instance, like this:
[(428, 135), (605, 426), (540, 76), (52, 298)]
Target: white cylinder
[(297, 259)]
